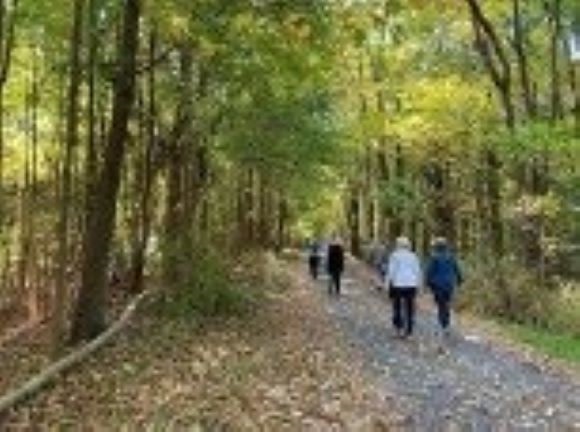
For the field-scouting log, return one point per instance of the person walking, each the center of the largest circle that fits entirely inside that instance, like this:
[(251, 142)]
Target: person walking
[(335, 265), (443, 275), (379, 261), (314, 258), (403, 279)]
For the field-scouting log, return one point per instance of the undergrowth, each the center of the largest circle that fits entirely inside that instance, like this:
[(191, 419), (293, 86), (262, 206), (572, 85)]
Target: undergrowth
[(545, 316), (213, 288)]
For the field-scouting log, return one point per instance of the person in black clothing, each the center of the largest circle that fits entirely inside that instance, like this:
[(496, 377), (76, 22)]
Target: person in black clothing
[(314, 259), (335, 265)]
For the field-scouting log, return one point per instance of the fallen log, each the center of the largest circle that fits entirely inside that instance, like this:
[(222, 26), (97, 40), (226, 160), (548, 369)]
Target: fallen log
[(37, 382)]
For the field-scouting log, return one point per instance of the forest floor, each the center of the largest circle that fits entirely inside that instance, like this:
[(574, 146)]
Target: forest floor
[(308, 362), (285, 368)]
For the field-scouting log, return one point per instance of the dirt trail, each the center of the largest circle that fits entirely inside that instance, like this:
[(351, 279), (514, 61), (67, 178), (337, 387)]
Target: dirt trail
[(463, 384), (305, 362)]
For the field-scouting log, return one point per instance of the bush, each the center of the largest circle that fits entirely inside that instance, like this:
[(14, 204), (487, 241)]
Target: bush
[(566, 316), (508, 291), (511, 293), (207, 291)]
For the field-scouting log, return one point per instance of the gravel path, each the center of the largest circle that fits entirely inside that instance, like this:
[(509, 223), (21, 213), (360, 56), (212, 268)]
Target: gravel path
[(461, 384)]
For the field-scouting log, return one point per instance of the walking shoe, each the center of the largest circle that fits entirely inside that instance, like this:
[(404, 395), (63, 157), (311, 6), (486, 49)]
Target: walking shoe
[(398, 333)]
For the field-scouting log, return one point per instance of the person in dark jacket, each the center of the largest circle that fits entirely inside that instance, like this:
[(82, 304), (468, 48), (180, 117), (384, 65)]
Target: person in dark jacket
[(335, 265), (314, 258), (443, 275)]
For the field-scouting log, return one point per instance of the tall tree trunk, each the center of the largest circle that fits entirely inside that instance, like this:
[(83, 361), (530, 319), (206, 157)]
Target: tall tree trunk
[(34, 267), (555, 39), (25, 215), (498, 66), (173, 215), (494, 58), (249, 198), (354, 210), (92, 158), (443, 208), (397, 223), (89, 318), (575, 86), (72, 124), (149, 173), (7, 35), (282, 221), (493, 181), (176, 236), (522, 60)]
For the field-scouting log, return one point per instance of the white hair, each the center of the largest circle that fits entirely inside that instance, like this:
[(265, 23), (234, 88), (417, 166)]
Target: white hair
[(403, 243)]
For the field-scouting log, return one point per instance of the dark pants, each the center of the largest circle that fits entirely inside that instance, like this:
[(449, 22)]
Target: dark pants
[(443, 302), (314, 263), (403, 301), (334, 282)]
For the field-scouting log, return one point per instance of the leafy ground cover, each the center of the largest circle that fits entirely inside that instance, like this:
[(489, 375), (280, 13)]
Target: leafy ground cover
[(285, 368)]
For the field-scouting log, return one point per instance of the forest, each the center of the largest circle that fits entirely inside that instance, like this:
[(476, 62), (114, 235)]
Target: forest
[(169, 145)]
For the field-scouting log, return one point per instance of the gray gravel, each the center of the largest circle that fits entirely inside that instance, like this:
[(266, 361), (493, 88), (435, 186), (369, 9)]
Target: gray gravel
[(463, 383)]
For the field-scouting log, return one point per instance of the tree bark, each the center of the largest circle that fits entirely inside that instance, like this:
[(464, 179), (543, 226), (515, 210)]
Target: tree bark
[(149, 175), (72, 124), (522, 60), (90, 309), (7, 36), (555, 38), (354, 210), (397, 223), (494, 58)]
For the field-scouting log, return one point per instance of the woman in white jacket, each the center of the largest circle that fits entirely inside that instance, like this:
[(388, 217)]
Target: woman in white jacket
[(403, 278)]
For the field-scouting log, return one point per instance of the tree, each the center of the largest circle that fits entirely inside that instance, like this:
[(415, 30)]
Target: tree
[(89, 317)]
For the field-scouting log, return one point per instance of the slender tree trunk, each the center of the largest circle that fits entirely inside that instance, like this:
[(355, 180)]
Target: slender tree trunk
[(575, 85), (494, 58), (282, 221), (493, 180), (8, 17), (555, 38), (177, 236), (90, 311), (34, 269), (173, 215), (498, 66), (72, 124), (139, 258), (25, 215), (522, 60), (249, 208), (92, 158), (354, 210), (397, 223)]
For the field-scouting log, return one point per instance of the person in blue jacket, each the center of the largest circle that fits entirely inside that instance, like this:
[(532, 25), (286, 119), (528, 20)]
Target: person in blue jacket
[(443, 276)]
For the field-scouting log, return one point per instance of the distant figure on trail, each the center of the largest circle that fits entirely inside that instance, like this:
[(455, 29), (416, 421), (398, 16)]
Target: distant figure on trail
[(443, 275), (335, 265), (404, 277), (379, 261), (314, 257)]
